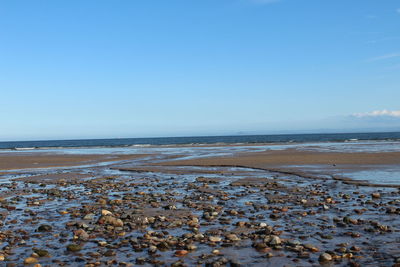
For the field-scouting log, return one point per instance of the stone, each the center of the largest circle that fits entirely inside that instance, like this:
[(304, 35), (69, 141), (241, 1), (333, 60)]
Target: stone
[(376, 195), (311, 247), (81, 234), (89, 217), (106, 212), (324, 257), (41, 252), (30, 260), (45, 228), (74, 247), (181, 253), (275, 240), (215, 239), (108, 219), (232, 237)]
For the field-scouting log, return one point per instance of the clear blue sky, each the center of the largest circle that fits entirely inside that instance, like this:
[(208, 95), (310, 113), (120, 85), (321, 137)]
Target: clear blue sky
[(137, 68)]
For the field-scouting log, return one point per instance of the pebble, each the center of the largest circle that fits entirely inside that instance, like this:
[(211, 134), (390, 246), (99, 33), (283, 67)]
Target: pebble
[(324, 257), (181, 253), (273, 240), (376, 195), (216, 252), (89, 217), (158, 220), (74, 247), (311, 247), (106, 212), (215, 239), (30, 260), (44, 228), (41, 252), (232, 237)]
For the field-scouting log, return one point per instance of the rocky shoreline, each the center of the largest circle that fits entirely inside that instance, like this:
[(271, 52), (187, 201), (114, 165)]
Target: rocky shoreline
[(195, 216)]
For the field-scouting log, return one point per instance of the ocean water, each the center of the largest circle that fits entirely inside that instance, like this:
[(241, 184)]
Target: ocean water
[(239, 139)]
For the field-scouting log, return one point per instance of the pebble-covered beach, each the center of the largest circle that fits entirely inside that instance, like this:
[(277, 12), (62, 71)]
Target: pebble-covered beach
[(193, 216)]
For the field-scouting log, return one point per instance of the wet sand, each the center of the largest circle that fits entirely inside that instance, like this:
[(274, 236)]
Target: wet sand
[(295, 157), (326, 165), (12, 161), (241, 210)]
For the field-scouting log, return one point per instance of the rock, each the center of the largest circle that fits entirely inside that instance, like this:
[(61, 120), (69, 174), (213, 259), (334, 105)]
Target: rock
[(232, 237), (163, 246), (81, 234), (275, 216), (259, 245), (102, 201), (102, 243), (311, 247), (181, 253), (216, 252), (275, 240), (45, 228), (233, 212), (293, 242), (89, 217), (74, 247), (355, 248), (324, 257), (30, 260), (152, 249), (215, 239), (376, 195), (241, 224), (191, 247), (111, 220), (109, 253), (198, 236), (106, 212), (41, 252)]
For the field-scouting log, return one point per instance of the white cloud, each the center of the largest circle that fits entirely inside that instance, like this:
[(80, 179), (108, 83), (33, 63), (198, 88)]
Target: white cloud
[(379, 113), (387, 56)]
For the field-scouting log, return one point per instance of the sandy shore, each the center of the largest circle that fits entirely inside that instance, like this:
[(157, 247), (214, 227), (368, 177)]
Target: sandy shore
[(291, 157), (266, 159)]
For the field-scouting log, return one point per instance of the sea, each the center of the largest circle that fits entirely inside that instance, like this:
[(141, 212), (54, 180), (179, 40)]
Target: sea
[(202, 140)]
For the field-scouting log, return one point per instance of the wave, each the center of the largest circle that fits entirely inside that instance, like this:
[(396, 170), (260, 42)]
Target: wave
[(351, 140), (199, 141)]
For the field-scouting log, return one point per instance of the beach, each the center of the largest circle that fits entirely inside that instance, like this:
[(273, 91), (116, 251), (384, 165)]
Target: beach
[(212, 205)]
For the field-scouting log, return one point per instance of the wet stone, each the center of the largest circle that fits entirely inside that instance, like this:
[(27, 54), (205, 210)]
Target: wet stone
[(30, 260), (41, 252), (325, 257), (44, 228), (74, 247)]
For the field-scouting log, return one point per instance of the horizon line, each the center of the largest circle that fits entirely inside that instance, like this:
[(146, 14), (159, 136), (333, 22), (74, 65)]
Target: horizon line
[(304, 132)]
